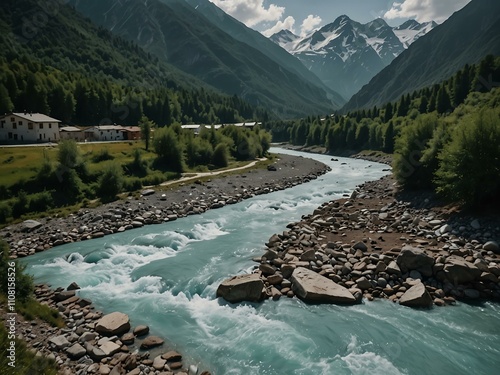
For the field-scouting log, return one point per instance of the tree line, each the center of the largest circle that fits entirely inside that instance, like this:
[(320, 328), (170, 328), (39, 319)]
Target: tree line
[(425, 130), (75, 178)]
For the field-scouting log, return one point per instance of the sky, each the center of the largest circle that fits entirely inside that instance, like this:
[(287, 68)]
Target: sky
[(304, 16)]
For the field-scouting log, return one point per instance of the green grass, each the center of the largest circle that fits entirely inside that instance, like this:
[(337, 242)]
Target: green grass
[(32, 309), (26, 363)]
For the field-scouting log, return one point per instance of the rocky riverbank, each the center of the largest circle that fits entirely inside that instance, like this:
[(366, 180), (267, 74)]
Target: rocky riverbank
[(158, 206), (378, 245), (94, 343)]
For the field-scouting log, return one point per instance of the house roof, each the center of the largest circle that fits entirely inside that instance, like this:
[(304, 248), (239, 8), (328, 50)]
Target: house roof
[(70, 129), (34, 117), (190, 126), (108, 127), (131, 129)]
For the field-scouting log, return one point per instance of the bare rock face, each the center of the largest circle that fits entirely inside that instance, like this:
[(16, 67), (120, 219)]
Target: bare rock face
[(314, 288), (416, 296), (459, 271), (413, 258), (113, 324), (241, 288)]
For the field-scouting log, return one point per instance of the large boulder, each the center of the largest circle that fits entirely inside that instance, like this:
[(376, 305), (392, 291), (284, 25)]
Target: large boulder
[(113, 324), (416, 296), (459, 271), (312, 287), (30, 225), (412, 258), (241, 288)]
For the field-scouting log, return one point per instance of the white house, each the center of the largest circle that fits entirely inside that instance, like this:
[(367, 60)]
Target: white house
[(105, 133), (28, 128), (72, 132)]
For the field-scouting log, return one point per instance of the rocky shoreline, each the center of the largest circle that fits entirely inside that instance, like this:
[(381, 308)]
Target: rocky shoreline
[(85, 346), (158, 206), (94, 343), (375, 245)]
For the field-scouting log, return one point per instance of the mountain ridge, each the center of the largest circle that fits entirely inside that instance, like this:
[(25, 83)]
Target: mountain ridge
[(466, 37), (346, 54), (178, 34)]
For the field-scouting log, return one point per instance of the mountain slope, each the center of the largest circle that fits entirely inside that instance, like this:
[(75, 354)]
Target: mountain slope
[(256, 40), (465, 38), (346, 54), (175, 32), (109, 80)]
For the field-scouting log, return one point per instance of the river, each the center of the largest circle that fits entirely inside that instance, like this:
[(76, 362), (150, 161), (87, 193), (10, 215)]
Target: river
[(166, 276)]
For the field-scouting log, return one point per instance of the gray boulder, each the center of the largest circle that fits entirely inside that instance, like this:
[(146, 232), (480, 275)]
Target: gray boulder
[(314, 288), (241, 288), (413, 258), (30, 225), (76, 351), (492, 246), (416, 296), (113, 324), (60, 342), (459, 271)]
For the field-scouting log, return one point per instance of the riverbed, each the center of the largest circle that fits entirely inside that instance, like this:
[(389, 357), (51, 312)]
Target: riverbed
[(166, 276)]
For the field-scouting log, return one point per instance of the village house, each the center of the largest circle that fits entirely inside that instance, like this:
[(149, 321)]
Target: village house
[(72, 132), (105, 133), (131, 133), (28, 128)]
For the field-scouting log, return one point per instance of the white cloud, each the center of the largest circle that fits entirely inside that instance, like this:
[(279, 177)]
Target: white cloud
[(309, 24), (250, 12), (425, 10), (287, 24)]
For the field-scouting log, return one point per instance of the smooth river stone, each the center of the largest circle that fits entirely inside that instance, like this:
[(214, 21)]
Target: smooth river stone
[(314, 288)]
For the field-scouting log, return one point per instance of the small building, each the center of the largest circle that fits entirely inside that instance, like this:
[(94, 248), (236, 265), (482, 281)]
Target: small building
[(194, 128), (28, 128), (105, 133), (72, 132), (131, 133)]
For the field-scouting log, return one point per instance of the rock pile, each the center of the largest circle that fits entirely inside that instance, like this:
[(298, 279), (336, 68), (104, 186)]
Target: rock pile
[(93, 343), (374, 246)]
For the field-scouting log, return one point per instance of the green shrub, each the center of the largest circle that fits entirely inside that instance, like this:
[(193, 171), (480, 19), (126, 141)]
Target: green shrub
[(132, 184), (24, 285), (138, 167), (220, 156), (20, 206), (102, 155), (469, 168), (409, 149), (153, 179), (169, 150), (41, 202), (5, 212), (110, 182)]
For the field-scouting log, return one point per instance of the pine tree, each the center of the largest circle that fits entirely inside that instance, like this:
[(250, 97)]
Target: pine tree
[(388, 112), (389, 138)]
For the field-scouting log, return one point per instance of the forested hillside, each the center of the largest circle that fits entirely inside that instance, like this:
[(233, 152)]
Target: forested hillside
[(455, 124), (58, 63), (178, 34)]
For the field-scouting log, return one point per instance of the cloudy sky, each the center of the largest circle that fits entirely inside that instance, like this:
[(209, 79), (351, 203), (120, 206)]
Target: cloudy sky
[(303, 16)]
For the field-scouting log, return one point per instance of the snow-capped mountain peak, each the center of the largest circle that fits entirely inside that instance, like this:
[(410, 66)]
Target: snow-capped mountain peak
[(346, 54)]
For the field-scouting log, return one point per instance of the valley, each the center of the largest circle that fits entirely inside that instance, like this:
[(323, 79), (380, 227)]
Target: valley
[(198, 187)]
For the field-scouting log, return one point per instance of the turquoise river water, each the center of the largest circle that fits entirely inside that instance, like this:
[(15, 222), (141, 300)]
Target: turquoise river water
[(166, 276)]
